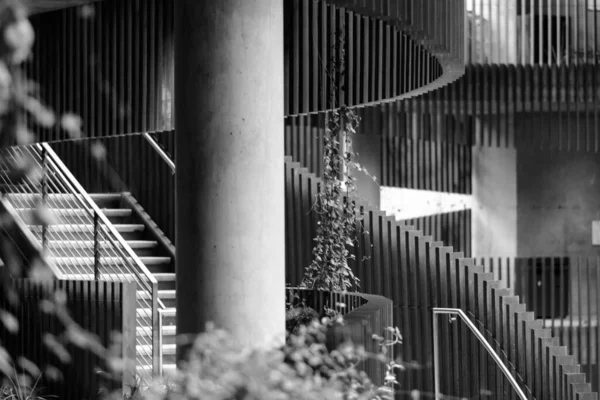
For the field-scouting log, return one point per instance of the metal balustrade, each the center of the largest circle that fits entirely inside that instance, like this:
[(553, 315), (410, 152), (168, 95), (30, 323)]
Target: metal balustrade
[(481, 338), (79, 239)]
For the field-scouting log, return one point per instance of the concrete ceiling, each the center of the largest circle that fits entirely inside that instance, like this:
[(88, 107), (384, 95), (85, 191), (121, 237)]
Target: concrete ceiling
[(40, 6)]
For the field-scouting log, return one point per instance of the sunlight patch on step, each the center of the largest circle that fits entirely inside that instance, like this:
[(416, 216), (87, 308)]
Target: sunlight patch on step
[(413, 203)]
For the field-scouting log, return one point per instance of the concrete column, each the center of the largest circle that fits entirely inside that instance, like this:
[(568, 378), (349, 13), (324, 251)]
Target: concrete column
[(230, 167)]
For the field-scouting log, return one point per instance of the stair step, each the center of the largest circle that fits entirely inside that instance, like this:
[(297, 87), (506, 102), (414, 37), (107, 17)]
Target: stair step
[(58, 200), (165, 277), (167, 330), (162, 294), (81, 212), (146, 350), (87, 228), (147, 312), (120, 277), (109, 260), (89, 244), (108, 200), (67, 196), (167, 368), (105, 196)]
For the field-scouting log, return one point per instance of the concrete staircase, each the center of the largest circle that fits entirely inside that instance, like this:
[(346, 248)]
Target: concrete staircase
[(70, 244)]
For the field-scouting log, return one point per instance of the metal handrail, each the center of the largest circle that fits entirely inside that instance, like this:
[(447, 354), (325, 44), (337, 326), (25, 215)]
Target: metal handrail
[(160, 151), (149, 283), (26, 232), (165, 157), (120, 258), (482, 340), (92, 204), (95, 214), (20, 189)]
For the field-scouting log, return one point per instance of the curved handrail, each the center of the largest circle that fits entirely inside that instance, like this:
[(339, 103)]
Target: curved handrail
[(482, 340), (160, 151)]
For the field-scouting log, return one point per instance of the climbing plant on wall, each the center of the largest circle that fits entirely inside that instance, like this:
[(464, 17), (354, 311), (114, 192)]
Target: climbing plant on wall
[(339, 224)]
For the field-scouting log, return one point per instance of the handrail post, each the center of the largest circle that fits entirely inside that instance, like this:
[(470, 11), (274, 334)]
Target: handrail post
[(436, 360), (160, 342), (44, 193), (96, 248), (156, 333)]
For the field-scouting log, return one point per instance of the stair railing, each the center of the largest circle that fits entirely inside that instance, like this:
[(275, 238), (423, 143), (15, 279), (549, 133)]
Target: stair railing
[(165, 157), (171, 164), (94, 248), (24, 244), (488, 347)]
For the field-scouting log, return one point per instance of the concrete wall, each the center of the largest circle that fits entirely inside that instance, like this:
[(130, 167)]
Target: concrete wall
[(494, 223), (368, 150), (558, 197)]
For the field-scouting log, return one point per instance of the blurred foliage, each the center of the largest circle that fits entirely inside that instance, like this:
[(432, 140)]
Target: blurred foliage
[(19, 102), (219, 368)]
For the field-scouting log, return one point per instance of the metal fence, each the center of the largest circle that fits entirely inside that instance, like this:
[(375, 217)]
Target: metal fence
[(99, 307), (562, 292)]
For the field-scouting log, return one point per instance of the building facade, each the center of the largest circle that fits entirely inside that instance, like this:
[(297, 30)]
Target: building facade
[(482, 112)]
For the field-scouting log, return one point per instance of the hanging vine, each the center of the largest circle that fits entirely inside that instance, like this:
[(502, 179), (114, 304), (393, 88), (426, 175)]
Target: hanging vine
[(339, 224)]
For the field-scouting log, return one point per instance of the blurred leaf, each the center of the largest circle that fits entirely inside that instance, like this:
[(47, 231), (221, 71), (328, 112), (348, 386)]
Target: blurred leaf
[(19, 36), (87, 11), (42, 114), (98, 151), (42, 215), (56, 347), (9, 321), (29, 366), (73, 124), (40, 273), (52, 373)]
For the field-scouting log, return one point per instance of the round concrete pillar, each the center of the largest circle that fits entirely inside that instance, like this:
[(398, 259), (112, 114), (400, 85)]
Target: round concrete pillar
[(230, 167)]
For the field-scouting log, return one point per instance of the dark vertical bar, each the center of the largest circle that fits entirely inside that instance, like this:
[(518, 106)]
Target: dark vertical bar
[(579, 327), (588, 284), (545, 264), (572, 267), (305, 87), (153, 63), (553, 310), (367, 56), (296, 60), (561, 299), (350, 58), (597, 338)]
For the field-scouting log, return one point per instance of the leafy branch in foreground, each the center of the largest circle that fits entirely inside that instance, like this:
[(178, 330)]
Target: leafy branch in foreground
[(220, 368)]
